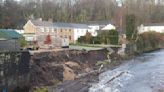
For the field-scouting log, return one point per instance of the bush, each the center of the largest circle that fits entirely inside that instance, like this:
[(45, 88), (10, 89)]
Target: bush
[(148, 41), (44, 89), (130, 27), (99, 63), (109, 37), (105, 37), (113, 37), (22, 42), (87, 39)]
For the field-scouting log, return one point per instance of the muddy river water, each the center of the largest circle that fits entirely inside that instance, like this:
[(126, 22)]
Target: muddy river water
[(144, 73)]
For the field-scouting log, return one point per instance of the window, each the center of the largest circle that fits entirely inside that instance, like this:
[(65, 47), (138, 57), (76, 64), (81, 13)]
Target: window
[(52, 30), (65, 36), (78, 31), (61, 36), (42, 29), (69, 37), (69, 30)]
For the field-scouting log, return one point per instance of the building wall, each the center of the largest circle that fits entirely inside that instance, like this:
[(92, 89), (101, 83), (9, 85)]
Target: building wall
[(20, 31), (29, 28), (79, 33), (143, 29), (94, 29), (29, 31), (66, 33), (109, 27), (46, 31)]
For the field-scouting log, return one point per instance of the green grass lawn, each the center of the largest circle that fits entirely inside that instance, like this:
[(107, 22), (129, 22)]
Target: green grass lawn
[(91, 46), (81, 47)]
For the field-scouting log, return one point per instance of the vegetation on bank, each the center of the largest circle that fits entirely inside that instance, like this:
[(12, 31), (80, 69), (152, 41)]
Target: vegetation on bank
[(131, 31), (104, 37), (149, 41), (43, 89), (22, 42), (140, 43)]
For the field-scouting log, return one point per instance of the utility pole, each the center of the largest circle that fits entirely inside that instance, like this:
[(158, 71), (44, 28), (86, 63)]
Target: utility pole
[(119, 24), (119, 15)]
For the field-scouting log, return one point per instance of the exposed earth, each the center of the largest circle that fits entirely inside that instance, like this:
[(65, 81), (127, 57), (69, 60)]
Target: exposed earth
[(144, 73)]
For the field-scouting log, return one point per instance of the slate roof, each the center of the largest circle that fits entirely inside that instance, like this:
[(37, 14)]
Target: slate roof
[(80, 26), (71, 25), (59, 24), (42, 23), (9, 34), (62, 25), (154, 24), (99, 22)]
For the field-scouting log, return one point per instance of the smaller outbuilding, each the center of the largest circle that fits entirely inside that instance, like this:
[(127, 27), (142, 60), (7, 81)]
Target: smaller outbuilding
[(99, 26), (156, 27), (9, 40), (109, 27)]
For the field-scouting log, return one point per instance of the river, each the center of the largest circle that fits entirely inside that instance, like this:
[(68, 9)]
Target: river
[(144, 73)]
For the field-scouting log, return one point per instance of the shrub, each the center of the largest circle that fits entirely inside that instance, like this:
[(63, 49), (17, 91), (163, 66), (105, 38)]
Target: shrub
[(87, 39), (105, 37), (109, 37), (148, 41), (44, 89), (22, 42), (130, 27)]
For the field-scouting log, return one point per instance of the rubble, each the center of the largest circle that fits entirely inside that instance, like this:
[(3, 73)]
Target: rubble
[(52, 68)]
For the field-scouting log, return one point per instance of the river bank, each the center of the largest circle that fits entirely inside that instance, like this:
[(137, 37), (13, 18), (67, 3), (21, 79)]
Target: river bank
[(54, 70), (144, 73), (83, 84)]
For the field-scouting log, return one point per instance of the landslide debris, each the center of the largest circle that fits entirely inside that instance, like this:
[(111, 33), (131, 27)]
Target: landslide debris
[(51, 68)]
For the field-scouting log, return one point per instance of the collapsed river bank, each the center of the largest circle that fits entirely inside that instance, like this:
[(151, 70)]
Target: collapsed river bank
[(62, 71)]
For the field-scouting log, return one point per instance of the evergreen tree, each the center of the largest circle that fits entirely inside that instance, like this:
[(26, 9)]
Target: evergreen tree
[(130, 27)]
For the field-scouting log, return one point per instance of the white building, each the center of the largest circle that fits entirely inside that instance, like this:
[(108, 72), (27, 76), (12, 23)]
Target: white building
[(20, 31), (73, 31), (81, 31), (157, 27), (93, 29), (109, 27), (98, 26)]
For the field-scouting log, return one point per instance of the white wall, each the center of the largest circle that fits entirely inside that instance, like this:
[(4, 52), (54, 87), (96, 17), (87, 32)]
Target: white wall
[(29, 38), (79, 32), (20, 31), (109, 27), (93, 29), (143, 29)]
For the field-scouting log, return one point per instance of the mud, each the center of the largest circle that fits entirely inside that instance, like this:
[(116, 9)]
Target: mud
[(51, 68)]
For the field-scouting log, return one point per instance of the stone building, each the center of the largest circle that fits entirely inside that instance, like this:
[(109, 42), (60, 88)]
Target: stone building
[(35, 30)]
